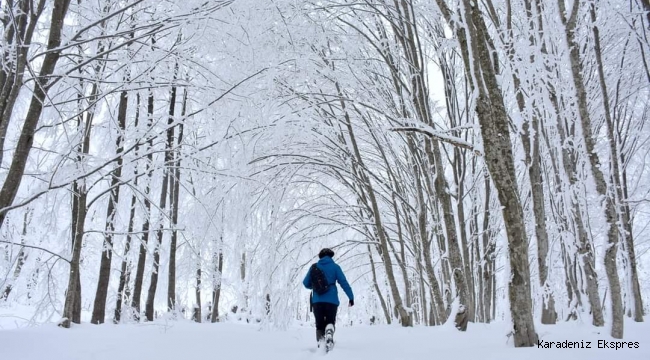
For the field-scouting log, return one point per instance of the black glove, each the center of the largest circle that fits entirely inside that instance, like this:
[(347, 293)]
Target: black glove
[(351, 303)]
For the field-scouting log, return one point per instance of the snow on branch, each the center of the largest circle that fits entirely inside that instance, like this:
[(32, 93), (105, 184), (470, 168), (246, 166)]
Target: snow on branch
[(435, 134), (37, 248)]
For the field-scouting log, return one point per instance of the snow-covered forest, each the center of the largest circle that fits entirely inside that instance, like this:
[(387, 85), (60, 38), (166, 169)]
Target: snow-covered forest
[(469, 161)]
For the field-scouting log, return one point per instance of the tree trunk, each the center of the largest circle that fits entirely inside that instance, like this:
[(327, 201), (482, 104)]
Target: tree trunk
[(125, 267), (99, 308), (153, 281), (175, 189), (436, 295), (26, 139), (549, 315), (196, 316), (562, 218), (599, 177), (142, 257), (376, 287), (432, 149), (453, 249), (216, 285), (489, 248), (72, 306), (22, 257), (405, 315), (476, 257), (18, 40), (459, 165), (242, 273), (619, 199), (164, 193), (629, 241), (499, 159), (85, 117), (533, 162), (584, 245)]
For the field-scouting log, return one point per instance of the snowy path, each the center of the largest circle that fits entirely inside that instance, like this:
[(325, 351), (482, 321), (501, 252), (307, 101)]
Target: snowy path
[(184, 340)]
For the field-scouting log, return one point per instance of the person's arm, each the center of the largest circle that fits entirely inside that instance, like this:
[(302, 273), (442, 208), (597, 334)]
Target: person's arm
[(307, 280), (340, 277)]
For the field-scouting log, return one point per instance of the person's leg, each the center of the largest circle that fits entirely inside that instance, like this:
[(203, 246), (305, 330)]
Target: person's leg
[(330, 311), (330, 323), (320, 313)]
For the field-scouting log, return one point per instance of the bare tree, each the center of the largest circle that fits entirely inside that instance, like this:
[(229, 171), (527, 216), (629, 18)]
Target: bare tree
[(616, 177), (570, 22), (499, 159), (42, 85), (217, 260), (99, 308)]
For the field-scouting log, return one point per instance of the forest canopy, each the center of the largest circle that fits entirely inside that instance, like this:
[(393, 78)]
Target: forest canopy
[(466, 160)]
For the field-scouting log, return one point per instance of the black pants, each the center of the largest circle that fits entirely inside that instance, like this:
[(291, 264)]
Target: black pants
[(325, 313)]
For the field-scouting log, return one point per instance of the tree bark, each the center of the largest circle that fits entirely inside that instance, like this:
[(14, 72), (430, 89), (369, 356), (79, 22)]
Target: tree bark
[(18, 40), (405, 315), (26, 139), (175, 189), (142, 257), (459, 165), (533, 163), (583, 243), (420, 103), (196, 316), (619, 198), (99, 308), (216, 285), (499, 159), (125, 267), (594, 161), (20, 260), (72, 306), (164, 193), (153, 281), (489, 248), (375, 284)]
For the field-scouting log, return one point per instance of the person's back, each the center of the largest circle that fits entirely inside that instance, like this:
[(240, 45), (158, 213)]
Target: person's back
[(325, 305)]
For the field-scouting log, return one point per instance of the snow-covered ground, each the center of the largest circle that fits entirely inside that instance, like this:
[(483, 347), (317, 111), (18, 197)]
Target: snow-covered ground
[(176, 340)]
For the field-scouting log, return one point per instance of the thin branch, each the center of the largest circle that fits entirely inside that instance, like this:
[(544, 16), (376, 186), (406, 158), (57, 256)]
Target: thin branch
[(440, 137), (37, 248)]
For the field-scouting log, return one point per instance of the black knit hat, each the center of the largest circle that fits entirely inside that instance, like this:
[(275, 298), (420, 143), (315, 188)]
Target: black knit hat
[(326, 252)]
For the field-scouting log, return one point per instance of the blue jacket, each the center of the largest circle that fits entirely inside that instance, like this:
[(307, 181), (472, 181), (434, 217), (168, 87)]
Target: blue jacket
[(333, 273)]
